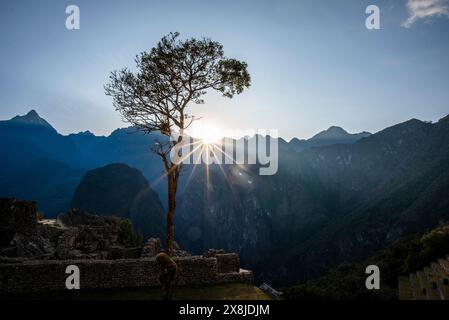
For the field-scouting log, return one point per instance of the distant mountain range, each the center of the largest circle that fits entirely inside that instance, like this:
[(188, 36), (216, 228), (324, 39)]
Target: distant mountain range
[(337, 197), (333, 135), (33, 148), (326, 205)]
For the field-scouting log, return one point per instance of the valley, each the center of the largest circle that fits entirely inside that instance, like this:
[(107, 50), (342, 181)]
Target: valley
[(335, 199)]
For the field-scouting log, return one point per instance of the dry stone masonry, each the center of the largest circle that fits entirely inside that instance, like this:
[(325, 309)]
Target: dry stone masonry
[(49, 275), (34, 255), (431, 283)]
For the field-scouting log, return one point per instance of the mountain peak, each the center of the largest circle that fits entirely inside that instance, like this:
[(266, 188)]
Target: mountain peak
[(32, 113), (444, 119), (86, 133), (338, 133), (331, 133), (335, 129), (33, 118)]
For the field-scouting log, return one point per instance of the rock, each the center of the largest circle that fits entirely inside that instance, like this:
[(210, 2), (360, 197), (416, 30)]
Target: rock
[(178, 252), (228, 262), (151, 248), (85, 241), (181, 253), (8, 253), (16, 217), (75, 218), (117, 252), (176, 246), (75, 235), (270, 291), (213, 252), (34, 246)]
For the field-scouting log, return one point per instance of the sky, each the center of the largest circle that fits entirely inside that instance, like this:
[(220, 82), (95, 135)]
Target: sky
[(313, 63)]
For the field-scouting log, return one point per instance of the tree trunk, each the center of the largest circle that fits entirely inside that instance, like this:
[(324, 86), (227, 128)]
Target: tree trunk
[(172, 186)]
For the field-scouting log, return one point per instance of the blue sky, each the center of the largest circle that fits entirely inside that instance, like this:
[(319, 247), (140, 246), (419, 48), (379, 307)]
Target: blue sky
[(313, 63)]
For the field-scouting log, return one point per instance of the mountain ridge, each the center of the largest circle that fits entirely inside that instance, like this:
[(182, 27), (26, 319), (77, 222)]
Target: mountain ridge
[(31, 118), (328, 204), (338, 133)]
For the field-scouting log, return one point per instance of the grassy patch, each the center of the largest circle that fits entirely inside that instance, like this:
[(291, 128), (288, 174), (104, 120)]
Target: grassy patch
[(232, 291)]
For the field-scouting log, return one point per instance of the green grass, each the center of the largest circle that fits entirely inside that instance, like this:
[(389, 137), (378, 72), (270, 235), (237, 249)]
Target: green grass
[(233, 291)]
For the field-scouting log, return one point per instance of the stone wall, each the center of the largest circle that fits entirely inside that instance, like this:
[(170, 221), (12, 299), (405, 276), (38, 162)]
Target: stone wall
[(16, 217), (228, 262), (49, 275), (34, 255)]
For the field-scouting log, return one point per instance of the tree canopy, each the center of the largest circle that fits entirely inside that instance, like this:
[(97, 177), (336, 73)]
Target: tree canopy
[(169, 77)]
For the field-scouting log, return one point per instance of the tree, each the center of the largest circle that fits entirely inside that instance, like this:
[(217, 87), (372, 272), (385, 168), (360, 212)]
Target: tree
[(169, 78)]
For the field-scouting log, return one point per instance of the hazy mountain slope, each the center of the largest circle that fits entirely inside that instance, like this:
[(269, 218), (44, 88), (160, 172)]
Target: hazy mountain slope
[(385, 186), (47, 181), (333, 135), (37, 163), (29, 138), (220, 209), (22, 132), (30, 146), (404, 256), (118, 189), (32, 118), (325, 205), (339, 134)]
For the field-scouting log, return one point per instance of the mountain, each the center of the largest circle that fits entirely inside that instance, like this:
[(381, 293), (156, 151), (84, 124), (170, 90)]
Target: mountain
[(30, 145), (120, 190), (406, 255), (338, 134), (444, 120), (29, 138), (333, 135), (38, 163), (48, 181), (30, 141), (32, 118), (336, 198), (326, 205), (378, 189)]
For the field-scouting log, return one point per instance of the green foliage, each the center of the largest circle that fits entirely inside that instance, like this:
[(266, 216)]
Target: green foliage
[(405, 256), (347, 282), (170, 76), (435, 244), (127, 236)]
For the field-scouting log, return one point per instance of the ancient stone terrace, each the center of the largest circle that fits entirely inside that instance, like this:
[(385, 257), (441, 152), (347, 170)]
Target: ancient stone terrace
[(431, 283), (50, 275), (34, 256)]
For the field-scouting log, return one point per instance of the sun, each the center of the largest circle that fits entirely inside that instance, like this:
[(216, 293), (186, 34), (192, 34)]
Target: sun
[(208, 133)]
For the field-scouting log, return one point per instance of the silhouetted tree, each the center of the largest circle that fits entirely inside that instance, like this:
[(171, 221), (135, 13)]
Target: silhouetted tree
[(172, 75)]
